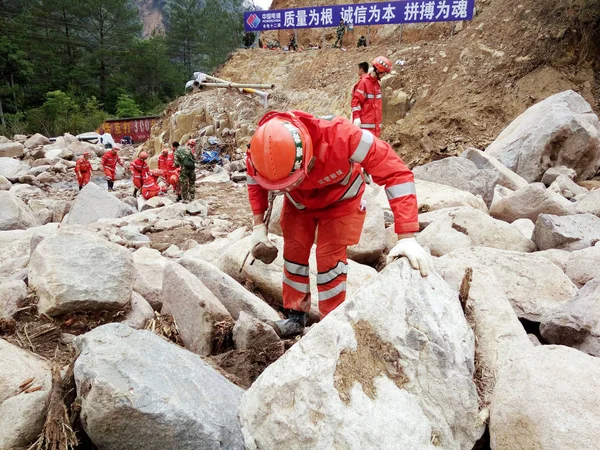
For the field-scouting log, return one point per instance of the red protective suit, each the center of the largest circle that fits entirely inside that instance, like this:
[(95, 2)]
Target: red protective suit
[(83, 170), (150, 188), (109, 164), (329, 199), (139, 171), (166, 164), (367, 105)]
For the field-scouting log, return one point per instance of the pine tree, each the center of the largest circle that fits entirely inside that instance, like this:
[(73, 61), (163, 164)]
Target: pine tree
[(183, 23)]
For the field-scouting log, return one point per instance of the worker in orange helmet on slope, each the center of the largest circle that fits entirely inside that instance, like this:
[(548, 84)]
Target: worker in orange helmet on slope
[(318, 165), (109, 165), (139, 171), (366, 98), (83, 170)]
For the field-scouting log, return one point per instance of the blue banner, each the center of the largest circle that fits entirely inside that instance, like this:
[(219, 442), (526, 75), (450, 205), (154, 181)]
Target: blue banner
[(361, 14)]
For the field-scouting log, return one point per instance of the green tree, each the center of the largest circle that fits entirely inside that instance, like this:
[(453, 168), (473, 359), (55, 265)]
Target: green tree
[(183, 23), (56, 115), (127, 107)]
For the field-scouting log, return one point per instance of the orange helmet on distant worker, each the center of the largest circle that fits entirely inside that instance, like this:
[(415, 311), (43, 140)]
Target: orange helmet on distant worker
[(382, 64), (143, 155), (174, 179), (191, 143), (165, 151), (281, 152), (86, 154)]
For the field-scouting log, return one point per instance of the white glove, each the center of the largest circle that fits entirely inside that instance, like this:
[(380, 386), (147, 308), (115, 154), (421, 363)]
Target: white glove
[(410, 248), (357, 122), (259, 235)]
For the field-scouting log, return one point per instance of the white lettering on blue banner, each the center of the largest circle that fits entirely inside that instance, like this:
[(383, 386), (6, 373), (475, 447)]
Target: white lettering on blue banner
[(384, 13)]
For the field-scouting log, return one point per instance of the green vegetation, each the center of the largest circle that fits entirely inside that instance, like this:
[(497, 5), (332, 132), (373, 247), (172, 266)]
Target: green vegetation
[(67, 65)]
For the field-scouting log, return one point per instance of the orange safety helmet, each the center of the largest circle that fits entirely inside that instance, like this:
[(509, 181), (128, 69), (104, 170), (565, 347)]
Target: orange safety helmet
[(281, 152), (382, 64), (191, 143), (86, 153), (165, 150), (143, 155)]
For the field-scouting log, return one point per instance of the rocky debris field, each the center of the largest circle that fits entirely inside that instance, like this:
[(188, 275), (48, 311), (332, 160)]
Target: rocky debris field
[(130, 324)]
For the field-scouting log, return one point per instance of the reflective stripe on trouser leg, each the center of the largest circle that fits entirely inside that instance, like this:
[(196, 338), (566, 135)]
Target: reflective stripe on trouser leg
[(298, 229)]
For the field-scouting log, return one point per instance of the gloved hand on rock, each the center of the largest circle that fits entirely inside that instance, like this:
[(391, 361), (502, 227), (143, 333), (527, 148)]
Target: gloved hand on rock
[(259, 235), (416, 254)]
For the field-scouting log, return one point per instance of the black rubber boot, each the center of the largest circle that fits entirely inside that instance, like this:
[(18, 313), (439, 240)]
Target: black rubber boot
[(135, 192), (110, 185), (292, 326), (80, 187)]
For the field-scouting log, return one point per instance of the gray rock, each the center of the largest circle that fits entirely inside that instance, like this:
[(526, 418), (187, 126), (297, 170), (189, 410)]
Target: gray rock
[(14, 214), (345, 396), (12, 150), (566, 187), (132, 233), (15, 248), (462, 174), (140, 391), (433, 196), (20, 138), (251, 333), (25, 192), (372, 244), (533, 285), (12, 294), (22, 414), (556, 256), (59, 208), (554, 172), (37, 140), (561, 130), (484, 161), (94, 203), (194, 307), (141, 312), (528, 203), (155, 202), (197, 208), (12, 168), (525, 227), (37, 153), (5, 185), (577, 324), (149, 270), (229, 292), (583, 265), (172, 252), (573, 232), (35, 171), (44, 216), (589, 203), (76, 271), (46, 178)]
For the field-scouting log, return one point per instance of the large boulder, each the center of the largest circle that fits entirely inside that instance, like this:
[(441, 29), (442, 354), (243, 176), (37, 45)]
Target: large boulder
[(528, 203), (140, 313), (229, 292), (251, 333), (573, 232), (583, 265), (556, 256), (553, 173), (12, 150), (469, 227), (462, 174), (15, 248), (485, 161), (372, 244), (373, 374), (58, 208), (547, 399), (5, 185), (432, 196), (12, 168), (22, 413), (139, 391), (79, 271), (534, 286), (149, 271), (37, 140), (94, 203), (577, 324), (561, 130), (589, 203), (12, 294), (14, 214), (195, 309)]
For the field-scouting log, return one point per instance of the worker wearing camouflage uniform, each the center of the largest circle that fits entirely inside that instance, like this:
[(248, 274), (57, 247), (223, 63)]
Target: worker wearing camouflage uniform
[(185, 159), (341, 29)]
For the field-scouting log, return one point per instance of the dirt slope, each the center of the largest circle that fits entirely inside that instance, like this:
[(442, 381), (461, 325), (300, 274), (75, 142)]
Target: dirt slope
[(464, 89)]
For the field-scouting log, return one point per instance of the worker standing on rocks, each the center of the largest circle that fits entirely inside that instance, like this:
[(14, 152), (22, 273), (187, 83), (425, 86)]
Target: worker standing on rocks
[(139, 171), (185, 160), (341, 30), (363, 69), (318, 165), (83, 170), (166, 165), (366, 102), (109, 165)]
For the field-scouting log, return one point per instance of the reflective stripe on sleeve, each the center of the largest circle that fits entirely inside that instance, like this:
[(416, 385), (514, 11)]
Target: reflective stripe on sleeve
[(296, 269), (363, 146), (330, 275), (370, 96), (354, 189), (298, 205), (378, 96), (356, 108), (330, 293), (368, 126), (360, 91), (346, 179), (400, 190), (250, 180), (300, 287)]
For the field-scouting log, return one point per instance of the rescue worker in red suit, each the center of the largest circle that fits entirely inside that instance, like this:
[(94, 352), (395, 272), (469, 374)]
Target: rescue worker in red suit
[(109, 165), (366, 98), (166, 165), (151, 188), (318, 165), (83, 170), (139, 171)]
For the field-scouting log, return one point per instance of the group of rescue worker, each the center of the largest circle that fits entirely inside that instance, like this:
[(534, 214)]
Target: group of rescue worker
[(176, 166), (319, 165)]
